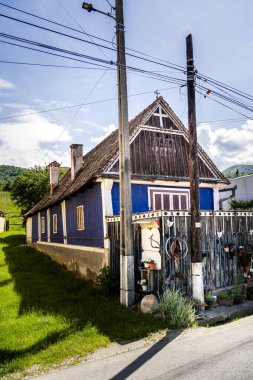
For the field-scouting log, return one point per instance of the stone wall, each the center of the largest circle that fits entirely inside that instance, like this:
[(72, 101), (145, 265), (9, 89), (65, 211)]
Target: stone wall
[(85, 261)]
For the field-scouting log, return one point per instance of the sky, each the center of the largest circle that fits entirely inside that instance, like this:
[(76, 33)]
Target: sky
[(79, 102)]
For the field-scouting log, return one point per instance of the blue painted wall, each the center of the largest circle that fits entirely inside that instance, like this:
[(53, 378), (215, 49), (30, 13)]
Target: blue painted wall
[(140, 198), (93, 235), (57, 237), (44, 236), (34, 228)]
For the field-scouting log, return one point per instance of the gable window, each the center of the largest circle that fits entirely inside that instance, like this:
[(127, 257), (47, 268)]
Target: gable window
[(55, 223), (43, 226), (168, 199), (80, 218)]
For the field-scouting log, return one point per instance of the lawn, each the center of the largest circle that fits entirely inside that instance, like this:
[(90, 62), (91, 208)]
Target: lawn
[(47, 315), (13, 213)]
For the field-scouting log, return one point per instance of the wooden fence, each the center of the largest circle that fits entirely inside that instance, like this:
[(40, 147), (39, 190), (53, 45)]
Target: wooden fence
[(226, 239)]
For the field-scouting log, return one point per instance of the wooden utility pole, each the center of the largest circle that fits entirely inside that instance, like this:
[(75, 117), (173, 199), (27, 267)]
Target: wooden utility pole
[(127, 285), (195, 236)]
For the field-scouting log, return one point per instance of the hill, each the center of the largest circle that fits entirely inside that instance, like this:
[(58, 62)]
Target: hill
[(242, 169), (7, 173)]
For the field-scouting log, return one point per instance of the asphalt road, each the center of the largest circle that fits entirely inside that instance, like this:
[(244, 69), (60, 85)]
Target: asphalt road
[(222, 352)]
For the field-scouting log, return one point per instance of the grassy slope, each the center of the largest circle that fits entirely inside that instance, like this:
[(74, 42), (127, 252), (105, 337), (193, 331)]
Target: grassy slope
[(13, 213), (47, 315)]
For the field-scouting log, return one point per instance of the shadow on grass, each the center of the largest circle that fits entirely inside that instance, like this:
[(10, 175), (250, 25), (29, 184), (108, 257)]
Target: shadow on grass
[(47, 288), (5, 282)]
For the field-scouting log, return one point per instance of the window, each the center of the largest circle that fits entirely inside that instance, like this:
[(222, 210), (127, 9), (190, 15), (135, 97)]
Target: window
[(43, 227), (168, 199), (80, 218), (55, 223)]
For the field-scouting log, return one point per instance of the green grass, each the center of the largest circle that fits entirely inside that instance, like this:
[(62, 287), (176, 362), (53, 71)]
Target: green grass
[(47, 315), (13, 212)]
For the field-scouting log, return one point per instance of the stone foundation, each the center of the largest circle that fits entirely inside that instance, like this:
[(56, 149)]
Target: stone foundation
[(84, 261)]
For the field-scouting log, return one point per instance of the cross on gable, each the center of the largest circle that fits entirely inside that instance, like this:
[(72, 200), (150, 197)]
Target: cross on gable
[(160, 115)]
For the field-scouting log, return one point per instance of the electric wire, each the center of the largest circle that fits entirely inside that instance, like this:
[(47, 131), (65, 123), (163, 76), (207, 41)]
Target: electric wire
[(83, 104)]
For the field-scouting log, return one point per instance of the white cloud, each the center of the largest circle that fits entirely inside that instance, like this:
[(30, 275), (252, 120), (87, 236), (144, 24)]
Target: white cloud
[(28, 141), (108, 130), (4, 84), (227, 147)]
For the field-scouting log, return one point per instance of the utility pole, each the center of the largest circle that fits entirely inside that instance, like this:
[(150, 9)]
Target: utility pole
[(195, 236), (127, 285), (127, 282)]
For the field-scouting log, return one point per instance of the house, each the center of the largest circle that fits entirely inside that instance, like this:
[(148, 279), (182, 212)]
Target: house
[(70, 223), (3, 225), (244, 191)]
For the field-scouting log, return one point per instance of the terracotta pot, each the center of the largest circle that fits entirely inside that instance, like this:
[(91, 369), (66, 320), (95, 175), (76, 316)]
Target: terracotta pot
[(221, 302), (152, 265), (247, 280)]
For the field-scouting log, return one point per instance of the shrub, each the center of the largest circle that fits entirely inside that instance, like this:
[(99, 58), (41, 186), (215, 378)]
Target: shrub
[(176, 310), (209, 297), (225, 296), (108, 282)]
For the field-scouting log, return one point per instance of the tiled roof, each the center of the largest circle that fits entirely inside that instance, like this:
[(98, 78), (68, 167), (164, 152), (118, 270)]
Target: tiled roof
[(96, 160)]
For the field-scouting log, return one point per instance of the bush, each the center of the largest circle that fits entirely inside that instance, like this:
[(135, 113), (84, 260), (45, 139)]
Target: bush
[(176, 310), (225, 295), (108, 282)]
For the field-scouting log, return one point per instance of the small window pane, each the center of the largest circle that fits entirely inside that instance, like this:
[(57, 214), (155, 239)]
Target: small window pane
[(183, 202), (158, 202), (80, 218), (166, 202), (175, 202), (55, 223)]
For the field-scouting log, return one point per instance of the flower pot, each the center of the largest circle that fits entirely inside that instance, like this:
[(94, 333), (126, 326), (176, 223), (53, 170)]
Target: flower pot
[(226, 249), (209, 305), (152, 265), (223, 302), (247, 280), (144, 288), (238, 300), (146, 265)]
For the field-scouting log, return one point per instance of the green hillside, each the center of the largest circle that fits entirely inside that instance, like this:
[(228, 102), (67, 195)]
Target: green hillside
[(242, 170), (7, 173), (12, 212)]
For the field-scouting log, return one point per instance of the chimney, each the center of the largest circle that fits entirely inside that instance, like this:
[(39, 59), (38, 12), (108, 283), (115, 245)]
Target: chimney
[(76, 159), (53, 168)]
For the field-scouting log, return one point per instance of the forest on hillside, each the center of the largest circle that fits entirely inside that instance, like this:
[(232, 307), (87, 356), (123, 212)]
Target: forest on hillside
[(8, 173)]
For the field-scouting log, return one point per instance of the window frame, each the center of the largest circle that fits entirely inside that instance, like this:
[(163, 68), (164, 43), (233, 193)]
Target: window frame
[(43, 224), (55, 224), (80, 218), (153, 191)]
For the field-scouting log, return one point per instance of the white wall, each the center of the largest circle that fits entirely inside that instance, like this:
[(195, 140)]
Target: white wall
[(2, 224), (244, 190)]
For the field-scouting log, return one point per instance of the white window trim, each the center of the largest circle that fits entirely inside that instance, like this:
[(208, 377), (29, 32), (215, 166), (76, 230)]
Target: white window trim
[(82, 228), (55, 224), (168, 190), (43, 225)]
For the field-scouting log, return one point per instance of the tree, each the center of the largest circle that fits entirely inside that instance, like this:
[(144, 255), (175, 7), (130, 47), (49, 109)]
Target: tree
[(30, 187)]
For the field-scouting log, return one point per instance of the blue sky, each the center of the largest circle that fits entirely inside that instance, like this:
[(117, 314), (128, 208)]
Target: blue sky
[(223, 49)]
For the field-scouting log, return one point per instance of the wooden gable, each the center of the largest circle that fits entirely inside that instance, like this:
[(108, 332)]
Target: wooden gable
[(159, 147)]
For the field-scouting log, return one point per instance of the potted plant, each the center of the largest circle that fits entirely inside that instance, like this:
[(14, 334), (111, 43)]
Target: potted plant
[(239, 293), (247, 278), (226, 248), (207, 289), (209, 300), (152, 264), (225, 299), (146, 263), (199, 308), (250, 293), (144, 284)]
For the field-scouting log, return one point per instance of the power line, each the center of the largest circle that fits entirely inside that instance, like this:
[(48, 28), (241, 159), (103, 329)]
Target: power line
[(86, 41), (76, 112), (151, 74), (225, 105), (176, 66), (59, 66), (83, 104)]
